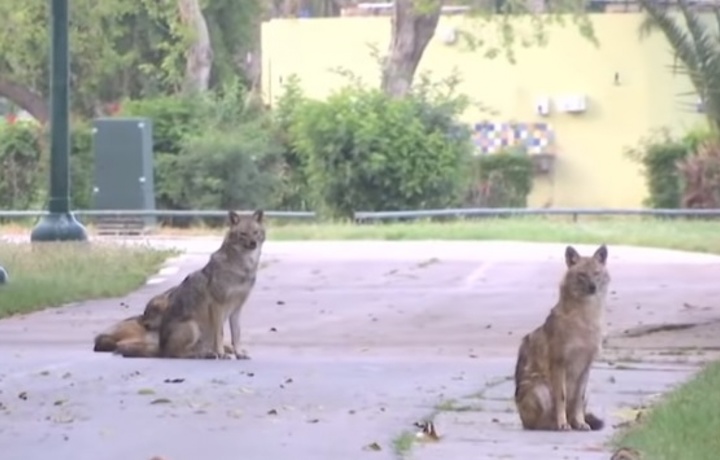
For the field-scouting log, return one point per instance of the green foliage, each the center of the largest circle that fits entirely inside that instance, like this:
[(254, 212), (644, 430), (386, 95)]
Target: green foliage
[(363, 150), (128, 48), (234, 30), (20, 160), (293, 191), (173, 118), (659, 155), (496, 30), (82, 163), (502, 180), (212, 150), (693, 40), (227, 169)]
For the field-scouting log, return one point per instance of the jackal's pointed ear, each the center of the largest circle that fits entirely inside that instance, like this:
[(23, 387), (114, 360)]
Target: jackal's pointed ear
[(258, 216), (233, 217), (601, 254), (571, 256)]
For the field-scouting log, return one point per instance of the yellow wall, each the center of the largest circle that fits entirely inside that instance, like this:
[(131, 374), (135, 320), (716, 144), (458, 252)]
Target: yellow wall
[(590, 170)]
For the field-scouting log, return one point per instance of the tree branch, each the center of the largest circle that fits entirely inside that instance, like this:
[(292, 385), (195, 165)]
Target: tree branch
[(200, 54), (413, 27), (30, 101)]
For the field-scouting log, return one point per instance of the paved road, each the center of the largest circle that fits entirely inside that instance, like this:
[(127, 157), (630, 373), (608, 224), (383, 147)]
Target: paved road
[(351, 344)]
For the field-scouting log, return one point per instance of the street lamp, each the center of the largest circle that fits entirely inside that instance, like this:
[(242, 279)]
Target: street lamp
[(59, 224)]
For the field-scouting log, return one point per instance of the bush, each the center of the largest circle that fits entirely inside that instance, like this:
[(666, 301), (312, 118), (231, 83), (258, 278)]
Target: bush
[(82, 162), (22, 181), (224, 169), (362, 150), (501, 180), (293, 191), (659, 154), (173, 118), (212, 150), (700, 174)]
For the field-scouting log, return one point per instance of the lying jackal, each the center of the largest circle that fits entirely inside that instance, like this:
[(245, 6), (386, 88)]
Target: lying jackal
[(135, 328)]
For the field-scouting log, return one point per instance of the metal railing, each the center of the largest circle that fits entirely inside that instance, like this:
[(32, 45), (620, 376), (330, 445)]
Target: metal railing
[(369, 216), (155, 213), (506, 212)]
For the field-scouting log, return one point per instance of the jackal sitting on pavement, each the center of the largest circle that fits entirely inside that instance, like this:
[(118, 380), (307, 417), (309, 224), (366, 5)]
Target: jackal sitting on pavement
[(192, 325), (554, 360)]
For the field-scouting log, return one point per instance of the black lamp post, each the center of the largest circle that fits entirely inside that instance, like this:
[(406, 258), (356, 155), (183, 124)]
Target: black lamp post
[(59, 224)]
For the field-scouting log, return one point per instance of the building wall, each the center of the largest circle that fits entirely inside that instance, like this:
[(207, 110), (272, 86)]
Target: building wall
[(591, 169)]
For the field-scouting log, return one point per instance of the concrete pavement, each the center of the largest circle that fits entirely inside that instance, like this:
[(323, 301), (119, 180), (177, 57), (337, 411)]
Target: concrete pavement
[(351, 343)]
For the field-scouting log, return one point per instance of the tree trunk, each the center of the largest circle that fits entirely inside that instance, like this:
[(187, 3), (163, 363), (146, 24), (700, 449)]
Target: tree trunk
[(199, 55), (412, 28), (33, 103)]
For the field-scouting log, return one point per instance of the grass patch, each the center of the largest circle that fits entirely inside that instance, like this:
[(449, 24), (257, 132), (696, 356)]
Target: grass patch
[(685, 425), (452, 405), (692, 235), (684, 234), (403, 443), (53, 274)]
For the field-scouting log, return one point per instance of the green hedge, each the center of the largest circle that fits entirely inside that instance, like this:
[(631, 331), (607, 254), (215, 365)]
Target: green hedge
[(357, 150)]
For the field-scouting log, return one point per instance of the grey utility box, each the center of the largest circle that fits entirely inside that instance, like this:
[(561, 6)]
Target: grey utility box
[(123, 179)]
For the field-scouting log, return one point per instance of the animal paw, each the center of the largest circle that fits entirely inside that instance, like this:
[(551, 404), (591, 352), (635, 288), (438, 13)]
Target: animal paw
[(581, 426), (564, 426), (241, 354)]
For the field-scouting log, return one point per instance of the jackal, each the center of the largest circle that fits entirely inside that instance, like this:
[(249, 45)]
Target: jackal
[(192, 325), (554, 360), (135, 328)]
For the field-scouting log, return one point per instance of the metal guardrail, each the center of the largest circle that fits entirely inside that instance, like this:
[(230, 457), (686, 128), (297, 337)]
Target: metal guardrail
[(12, 214), (497, 212), (365, 216)]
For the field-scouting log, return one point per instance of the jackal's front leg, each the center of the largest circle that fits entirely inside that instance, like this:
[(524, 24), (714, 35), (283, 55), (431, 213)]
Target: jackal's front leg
[(559, 394)]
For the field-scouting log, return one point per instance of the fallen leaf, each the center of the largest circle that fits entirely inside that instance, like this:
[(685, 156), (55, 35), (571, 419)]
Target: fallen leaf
[(160, 401), (272, 412), (63, 418), (59, 402), (373, 446), (146, 391)]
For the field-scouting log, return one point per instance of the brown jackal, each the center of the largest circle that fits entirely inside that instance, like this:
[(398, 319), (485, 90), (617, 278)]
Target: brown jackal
[(554, 360), (192, 325), (135, 328)]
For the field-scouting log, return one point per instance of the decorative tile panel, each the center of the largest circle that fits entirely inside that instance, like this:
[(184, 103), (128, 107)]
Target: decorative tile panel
[(535, 137), (492, 137)]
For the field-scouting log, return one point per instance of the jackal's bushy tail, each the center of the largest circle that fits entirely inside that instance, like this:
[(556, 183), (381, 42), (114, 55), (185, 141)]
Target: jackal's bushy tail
[(138, 349), (104, 343), (595, 422)]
